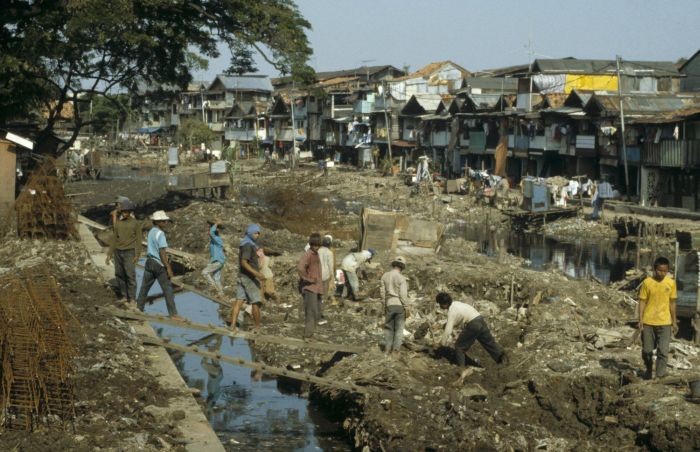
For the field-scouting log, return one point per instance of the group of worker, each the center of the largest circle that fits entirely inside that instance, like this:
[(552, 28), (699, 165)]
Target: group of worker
[(317, 280)]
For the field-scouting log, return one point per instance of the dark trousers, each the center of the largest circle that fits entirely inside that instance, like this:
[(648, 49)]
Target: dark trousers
[(659, 338), (394, 322), (125, 273), (477, 330), (152, 273), (312, 312)]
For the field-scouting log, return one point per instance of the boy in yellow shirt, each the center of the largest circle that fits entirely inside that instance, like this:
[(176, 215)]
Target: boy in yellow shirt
[(657, 317)]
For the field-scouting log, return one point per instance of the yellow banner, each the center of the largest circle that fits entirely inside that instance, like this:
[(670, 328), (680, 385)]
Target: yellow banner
[(590, 82)]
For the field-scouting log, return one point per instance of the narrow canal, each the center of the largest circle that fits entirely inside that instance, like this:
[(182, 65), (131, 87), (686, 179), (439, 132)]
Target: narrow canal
[(247, 409)]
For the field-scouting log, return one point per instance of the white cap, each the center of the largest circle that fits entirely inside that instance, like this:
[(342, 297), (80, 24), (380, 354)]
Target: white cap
[(159, 215)]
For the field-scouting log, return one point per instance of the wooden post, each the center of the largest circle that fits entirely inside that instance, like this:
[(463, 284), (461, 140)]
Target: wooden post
[(8, 176)]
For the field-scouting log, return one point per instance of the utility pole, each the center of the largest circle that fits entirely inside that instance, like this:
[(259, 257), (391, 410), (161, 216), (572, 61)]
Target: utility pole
[(530, 55), (622, 127), (292, 156), (386, 122)]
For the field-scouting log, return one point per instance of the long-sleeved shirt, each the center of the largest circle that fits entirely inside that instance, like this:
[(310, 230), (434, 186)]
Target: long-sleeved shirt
[(326, 257), (127, 236), (309, 269), (216, 246), (459, 314), (394, 288), (354, 260)]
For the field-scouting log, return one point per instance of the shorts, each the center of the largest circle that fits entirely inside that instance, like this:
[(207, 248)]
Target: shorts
[(248, 290)]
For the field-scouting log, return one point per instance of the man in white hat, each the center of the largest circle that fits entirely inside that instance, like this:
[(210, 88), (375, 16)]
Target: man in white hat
[(158, 265), (394, 291)]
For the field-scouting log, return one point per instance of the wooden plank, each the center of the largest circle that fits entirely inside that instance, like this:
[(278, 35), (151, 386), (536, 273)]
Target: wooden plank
[(287, 341), (193, 289), (333, 383)]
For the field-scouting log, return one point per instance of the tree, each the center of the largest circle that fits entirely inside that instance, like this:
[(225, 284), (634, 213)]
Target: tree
[(54, 52), (192, 131)]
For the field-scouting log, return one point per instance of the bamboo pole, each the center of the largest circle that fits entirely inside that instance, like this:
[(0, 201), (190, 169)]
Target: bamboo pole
[(333, 383), (288, 341)]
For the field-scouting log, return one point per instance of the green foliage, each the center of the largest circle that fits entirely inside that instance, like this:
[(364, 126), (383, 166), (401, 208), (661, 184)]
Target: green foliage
[(193, 132), (53, 52)]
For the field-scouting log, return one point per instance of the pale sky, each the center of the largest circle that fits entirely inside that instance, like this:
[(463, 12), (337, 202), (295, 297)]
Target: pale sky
[(481, 35)]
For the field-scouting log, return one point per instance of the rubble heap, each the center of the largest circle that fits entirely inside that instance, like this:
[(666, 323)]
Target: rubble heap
[(35, 352), (43, 210)]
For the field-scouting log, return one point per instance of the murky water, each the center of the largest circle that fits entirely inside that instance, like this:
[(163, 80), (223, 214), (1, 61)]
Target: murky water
[(605, 260), (247, 409)]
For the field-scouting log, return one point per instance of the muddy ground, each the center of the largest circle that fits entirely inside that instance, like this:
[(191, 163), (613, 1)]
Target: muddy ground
[(572, 381)]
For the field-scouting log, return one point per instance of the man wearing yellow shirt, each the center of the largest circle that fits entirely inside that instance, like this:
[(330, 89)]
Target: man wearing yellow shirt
[(657, 317)]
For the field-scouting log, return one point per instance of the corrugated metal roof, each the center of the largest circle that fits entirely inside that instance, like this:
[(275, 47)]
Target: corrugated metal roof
[(429, 102), (507, 85), (643, 103), (430, 69), (484, 101), (573, 65), (244, 82)]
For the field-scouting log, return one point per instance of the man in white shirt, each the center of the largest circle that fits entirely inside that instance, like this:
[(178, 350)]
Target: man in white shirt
[(349, 265), (473, 326)]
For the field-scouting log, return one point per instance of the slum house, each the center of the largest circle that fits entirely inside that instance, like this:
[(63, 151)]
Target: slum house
[(480, 119), (225, 91), (540, 93), (656, 127), (330, 105), (158, 107), (691, 70), (441, 78), (288, 133), (246, 127), (414, 129), (345, 108), (565, 145), (437, 131), (345, 118), (191, 101)]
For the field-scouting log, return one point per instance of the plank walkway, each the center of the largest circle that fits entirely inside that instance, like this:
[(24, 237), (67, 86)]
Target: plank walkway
[(287, 341)]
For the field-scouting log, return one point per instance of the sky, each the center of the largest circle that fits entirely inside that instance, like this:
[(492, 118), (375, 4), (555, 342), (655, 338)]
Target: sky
[(479, 35)]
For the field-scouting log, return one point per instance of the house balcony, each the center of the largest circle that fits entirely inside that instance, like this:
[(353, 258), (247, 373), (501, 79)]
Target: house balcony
[(287, 134), (218, 104), (363, 107), (216, 126), (672, 154), (239, 135)]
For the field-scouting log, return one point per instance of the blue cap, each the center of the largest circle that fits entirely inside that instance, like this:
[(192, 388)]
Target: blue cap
[(371, 251)]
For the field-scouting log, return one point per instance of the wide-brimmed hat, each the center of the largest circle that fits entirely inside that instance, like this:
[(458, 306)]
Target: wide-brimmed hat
[(159, 215), (400, 261)]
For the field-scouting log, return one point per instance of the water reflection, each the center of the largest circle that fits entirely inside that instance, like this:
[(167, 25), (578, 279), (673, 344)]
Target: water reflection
[(242, 405)]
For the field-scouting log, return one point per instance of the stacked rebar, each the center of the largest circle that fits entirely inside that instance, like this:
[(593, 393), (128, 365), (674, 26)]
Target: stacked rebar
[(43, 210), (35, 352)]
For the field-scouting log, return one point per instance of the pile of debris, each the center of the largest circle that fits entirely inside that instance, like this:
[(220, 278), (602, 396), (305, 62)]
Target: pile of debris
[(35, 352), (43, 210)]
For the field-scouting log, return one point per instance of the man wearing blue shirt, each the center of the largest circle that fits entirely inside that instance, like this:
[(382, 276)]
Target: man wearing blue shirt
[(158, 265), (212, 272)]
